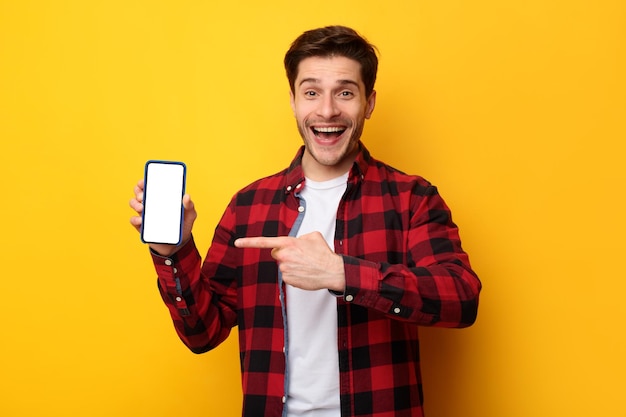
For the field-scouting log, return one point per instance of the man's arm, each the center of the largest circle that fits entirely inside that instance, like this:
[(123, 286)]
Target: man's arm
[(203, 312), (437, 286)]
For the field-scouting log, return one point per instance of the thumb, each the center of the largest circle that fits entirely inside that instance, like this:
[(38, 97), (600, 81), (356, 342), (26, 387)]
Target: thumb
[(187, 203), (190, 212)]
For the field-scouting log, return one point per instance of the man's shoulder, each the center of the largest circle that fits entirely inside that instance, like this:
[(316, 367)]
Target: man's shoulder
[(264, 189), (270, 182), (278, 180), (382, 171)]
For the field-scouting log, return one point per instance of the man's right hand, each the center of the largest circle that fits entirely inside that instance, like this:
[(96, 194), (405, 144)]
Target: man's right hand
[(136, 204)]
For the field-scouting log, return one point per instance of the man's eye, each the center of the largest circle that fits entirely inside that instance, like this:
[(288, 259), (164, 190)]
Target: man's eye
[(346, 94), (310, 93)]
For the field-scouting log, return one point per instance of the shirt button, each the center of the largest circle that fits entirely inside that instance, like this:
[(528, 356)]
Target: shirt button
[(168, 262), (179, 299), (349, 298), (301, 209), (289, 188), (299, 185), (175, 270), (396, 310), (284, 399)]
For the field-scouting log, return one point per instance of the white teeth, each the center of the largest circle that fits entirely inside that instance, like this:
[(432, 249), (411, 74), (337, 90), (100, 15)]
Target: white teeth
[(329, 129)]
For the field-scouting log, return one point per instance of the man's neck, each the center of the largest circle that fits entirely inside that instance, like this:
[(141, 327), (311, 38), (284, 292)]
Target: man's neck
[(318, 172)]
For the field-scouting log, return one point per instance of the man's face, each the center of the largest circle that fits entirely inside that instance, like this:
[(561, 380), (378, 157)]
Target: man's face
[(330, 106)]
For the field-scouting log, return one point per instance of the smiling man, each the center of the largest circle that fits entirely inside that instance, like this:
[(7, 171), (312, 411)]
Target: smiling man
[(329, 266), (330, 104)]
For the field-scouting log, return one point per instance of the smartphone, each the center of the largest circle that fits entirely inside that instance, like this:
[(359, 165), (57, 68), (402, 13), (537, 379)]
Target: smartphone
[(164, 187)]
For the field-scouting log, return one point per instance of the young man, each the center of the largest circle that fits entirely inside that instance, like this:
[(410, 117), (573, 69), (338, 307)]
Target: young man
[(329, 266)]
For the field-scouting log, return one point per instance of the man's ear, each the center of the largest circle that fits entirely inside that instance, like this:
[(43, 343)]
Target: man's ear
[(371, 103)]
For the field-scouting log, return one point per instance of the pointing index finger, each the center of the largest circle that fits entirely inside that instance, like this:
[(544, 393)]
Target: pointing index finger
[(262, 242)]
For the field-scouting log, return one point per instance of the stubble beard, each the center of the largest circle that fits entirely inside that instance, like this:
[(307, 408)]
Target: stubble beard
[(331, 160)]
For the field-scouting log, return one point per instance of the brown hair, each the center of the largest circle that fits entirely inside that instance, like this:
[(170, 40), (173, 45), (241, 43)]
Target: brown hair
[(333, 41)]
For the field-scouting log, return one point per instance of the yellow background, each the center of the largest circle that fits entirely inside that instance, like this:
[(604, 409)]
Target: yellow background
[(516, 110)]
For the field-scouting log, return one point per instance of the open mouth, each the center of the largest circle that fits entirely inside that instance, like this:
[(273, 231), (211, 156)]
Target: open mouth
[(330, 132)]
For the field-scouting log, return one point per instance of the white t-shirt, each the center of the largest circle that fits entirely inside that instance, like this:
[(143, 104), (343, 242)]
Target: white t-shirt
[(313, 359)]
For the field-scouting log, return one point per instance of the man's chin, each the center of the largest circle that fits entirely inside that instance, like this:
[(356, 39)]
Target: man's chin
[(330, 155)]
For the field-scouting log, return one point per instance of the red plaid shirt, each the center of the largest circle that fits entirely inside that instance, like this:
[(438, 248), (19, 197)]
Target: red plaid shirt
[(404, 267)]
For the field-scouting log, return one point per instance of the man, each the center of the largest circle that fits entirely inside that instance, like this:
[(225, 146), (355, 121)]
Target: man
[(327, 267)]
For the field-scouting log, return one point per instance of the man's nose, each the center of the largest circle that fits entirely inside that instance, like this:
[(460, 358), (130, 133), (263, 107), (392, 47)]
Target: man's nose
[(328, 107)]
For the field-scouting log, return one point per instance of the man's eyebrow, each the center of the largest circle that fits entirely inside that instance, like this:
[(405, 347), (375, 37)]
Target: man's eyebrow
[(308, 80), (348, 82), (340, 82)]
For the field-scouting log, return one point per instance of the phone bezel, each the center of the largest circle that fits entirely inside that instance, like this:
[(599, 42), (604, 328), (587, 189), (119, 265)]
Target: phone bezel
[(146, 199)]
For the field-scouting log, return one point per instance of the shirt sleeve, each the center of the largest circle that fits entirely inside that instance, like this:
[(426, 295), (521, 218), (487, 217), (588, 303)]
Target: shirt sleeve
[(201, 299), (436, 285)]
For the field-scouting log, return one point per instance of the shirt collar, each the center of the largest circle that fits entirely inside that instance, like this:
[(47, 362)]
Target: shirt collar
[(295, 176)]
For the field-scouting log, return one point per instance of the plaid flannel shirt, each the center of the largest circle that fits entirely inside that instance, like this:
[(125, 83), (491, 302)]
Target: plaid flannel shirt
[(404, 267)]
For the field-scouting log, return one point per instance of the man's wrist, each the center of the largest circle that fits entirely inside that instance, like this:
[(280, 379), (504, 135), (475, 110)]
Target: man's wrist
[(339, 283), (167, 251)]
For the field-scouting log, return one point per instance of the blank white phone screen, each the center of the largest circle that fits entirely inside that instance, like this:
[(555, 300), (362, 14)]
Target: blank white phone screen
[(163, 211)]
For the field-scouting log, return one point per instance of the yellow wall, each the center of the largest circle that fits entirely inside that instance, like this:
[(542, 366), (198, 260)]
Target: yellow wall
[(516, 110)]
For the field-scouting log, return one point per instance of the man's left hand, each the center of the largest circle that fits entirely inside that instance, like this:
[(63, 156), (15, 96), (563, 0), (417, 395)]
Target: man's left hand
[(305, 262)]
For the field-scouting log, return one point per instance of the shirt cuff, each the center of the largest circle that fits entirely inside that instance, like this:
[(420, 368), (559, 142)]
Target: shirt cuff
[(169, 267)]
